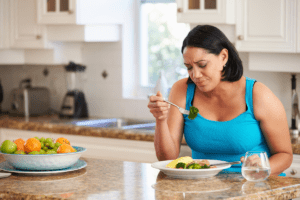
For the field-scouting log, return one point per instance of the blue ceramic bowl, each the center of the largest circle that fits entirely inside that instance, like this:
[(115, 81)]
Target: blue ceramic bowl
[(43, 161)]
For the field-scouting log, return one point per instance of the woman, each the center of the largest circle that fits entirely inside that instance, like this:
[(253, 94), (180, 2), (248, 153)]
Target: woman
[(236, 113)]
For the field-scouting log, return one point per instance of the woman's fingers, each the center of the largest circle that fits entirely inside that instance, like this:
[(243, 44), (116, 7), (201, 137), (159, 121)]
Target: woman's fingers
[(242, 159), (158, 107), (254, 160)]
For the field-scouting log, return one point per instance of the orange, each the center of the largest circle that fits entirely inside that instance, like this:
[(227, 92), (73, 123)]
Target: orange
[(32, 144), (65, 148), (20, 144), (63, 140)]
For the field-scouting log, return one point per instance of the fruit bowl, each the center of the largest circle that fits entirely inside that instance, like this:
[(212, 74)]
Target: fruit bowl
[(44, 161)]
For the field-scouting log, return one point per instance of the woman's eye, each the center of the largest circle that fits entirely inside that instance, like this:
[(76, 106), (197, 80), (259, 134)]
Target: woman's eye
[(201, 66)]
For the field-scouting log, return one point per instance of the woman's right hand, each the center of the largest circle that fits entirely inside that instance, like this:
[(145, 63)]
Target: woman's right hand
[(158, 107)]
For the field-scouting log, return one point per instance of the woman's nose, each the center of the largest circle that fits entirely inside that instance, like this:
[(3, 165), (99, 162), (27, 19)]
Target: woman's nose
[(197, 73)]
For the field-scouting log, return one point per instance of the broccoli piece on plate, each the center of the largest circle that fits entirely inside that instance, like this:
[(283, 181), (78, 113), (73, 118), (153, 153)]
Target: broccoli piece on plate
[(181, 165)]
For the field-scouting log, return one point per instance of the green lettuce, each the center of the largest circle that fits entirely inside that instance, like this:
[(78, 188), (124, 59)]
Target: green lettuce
[(193, 112)]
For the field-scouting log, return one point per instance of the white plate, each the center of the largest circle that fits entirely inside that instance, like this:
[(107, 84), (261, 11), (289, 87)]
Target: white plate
[(190, 173), (3, 175), (4, 166)]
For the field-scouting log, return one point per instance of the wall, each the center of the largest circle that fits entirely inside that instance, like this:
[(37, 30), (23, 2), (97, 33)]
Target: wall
[(104, 95)]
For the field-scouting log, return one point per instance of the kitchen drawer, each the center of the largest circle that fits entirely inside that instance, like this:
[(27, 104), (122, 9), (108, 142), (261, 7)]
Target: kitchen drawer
[(294, 169)]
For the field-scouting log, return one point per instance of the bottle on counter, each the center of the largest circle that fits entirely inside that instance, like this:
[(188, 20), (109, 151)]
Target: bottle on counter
[(162, 85), (295, 109)]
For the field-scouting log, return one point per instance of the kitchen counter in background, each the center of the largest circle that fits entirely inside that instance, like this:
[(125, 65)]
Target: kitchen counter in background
[(113, 128), (107, 179), (110, 128)]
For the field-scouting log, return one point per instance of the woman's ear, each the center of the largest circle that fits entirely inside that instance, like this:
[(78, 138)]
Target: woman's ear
[(224, 56)]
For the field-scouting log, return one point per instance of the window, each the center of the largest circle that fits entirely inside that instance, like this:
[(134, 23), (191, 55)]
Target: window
[(161, 39)]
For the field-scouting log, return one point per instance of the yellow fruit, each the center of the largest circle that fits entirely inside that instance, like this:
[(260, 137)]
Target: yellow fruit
[(32, 144), (185, 159), (65, 148)]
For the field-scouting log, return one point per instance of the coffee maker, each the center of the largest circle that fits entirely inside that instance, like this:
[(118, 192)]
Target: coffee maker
[(74, 103)]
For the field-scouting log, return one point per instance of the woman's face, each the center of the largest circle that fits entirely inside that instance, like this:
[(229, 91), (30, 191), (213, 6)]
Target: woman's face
[(205, 69)]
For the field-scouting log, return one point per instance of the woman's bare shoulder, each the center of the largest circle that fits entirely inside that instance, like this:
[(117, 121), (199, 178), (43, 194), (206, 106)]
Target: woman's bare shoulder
[(265, 102), (178, 92)]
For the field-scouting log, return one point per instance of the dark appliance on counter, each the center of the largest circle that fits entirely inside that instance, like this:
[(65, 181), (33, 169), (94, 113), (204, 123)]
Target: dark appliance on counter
[(74, 103), (295, 108), (29, 101), (1, 96)]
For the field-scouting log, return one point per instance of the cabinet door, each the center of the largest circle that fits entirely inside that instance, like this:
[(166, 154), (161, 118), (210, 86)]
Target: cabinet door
[(266, 26), (206, 11), (25, 32), (56, 11), (298, 26), (4, 24)]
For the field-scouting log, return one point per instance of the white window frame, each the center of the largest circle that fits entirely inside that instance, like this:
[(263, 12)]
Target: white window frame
[(132, 70)]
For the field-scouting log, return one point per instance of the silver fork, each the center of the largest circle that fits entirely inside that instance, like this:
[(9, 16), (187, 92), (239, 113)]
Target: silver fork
[(182, 110)]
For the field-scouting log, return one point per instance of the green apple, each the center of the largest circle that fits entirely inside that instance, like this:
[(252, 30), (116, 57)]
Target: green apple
[(8, 147), (20, 152)]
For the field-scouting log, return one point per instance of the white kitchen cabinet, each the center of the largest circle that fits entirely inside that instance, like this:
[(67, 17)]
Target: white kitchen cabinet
[(266, 26), (294, 169), (98, 147), (4, 24), (81, 12), (56, 11), (25, 33), (298, 26), (206, 11)]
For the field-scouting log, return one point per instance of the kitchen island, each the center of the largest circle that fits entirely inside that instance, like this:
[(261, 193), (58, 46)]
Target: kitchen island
[(108, 179)]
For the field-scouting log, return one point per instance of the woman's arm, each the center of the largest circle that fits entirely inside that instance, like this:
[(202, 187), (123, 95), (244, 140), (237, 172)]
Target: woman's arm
[(269, 111), (169, 122)]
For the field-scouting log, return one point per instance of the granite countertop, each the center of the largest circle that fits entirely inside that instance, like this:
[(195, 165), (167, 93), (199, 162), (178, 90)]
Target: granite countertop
[(53, 124), (108, 179)]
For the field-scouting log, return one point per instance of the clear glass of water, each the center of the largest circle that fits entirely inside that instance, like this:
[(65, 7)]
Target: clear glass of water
[(256, 166)]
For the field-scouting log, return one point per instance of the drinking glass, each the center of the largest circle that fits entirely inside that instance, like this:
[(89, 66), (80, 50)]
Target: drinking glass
[(256, 166)]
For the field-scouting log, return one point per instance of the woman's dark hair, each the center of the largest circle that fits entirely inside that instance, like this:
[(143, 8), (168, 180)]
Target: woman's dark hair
[(214, 41)]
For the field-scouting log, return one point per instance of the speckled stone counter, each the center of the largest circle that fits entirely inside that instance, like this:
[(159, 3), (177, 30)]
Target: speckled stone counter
[(117, 180), (52, 124)]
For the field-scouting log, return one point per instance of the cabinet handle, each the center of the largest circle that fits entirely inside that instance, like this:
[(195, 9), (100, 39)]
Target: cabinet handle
[(38, 37), (293, 172), (240, 37), (179, 10), (70, 12)]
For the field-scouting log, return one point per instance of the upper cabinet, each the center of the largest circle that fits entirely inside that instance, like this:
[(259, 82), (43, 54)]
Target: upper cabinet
[(81, 12), (24, 31), (298, 26), (206, 11), (56, 11), (267, 26), (4, 24)]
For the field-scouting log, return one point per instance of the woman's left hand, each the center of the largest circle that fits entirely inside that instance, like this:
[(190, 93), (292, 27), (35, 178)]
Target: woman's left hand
[(252, 161)]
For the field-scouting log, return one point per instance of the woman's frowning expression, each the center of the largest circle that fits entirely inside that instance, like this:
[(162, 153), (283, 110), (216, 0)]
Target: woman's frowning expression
[(205, 69)]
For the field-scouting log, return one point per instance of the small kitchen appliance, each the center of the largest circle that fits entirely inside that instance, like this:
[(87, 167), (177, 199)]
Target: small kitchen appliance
[(29, 101), (295, 108), (74, 104)]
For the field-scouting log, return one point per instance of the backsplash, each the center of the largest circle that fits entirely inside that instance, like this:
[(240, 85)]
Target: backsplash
[(104, 95)]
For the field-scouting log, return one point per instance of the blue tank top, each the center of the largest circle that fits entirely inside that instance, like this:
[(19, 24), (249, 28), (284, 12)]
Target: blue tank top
[(224, 140)]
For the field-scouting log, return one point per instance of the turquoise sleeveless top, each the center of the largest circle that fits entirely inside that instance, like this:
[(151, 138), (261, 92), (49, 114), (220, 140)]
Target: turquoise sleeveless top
[(224, 140)]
